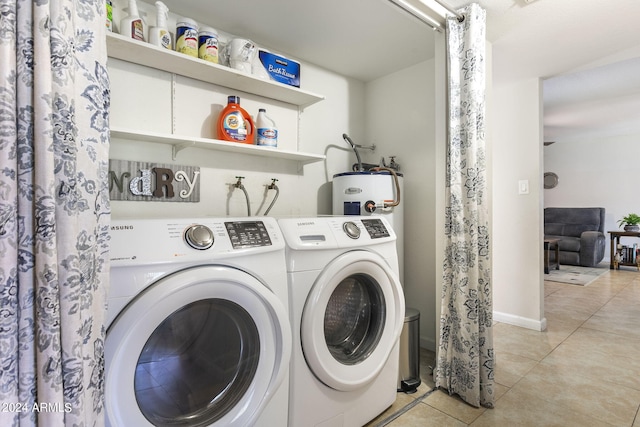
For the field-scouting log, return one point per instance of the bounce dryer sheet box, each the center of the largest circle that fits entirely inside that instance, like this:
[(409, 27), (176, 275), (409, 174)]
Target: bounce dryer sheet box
[(279, 68)]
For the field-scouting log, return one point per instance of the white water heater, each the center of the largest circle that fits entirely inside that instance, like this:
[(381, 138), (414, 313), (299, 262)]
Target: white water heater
[(367, 193)]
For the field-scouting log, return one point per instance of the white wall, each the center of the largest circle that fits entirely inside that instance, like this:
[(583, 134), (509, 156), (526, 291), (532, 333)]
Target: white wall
[(517, 219), (597, 171), (400, 121), (141, 98)]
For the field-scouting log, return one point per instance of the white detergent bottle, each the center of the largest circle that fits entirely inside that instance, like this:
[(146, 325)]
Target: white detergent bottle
[(159, 35), (132, 25), (267, 132)]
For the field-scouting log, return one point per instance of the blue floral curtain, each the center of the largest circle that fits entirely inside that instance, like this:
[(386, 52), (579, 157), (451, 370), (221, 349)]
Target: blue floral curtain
[(54, 211), (465, 354)]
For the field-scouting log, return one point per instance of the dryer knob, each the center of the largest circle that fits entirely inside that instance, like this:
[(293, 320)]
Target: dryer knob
[(199, 237), (351, 229)]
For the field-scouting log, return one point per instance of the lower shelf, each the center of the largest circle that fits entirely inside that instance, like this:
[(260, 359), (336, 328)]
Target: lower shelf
[(624, 264), (180, 143)]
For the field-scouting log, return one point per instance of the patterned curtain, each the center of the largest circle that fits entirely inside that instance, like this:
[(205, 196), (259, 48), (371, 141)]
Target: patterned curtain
[(54, 211), (465, 354)]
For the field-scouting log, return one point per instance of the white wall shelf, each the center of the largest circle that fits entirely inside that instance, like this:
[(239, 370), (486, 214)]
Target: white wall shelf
[(179, 143), (146, 54)]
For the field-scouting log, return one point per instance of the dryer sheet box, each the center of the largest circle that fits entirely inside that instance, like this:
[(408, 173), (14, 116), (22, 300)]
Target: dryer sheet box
[(279, 68)]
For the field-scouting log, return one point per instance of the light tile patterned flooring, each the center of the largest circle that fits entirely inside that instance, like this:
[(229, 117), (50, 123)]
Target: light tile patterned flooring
[(584, 370)]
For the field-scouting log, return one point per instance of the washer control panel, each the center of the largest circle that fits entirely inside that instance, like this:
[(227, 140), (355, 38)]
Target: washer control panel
[(375, 228), (247, 234), (154, 241)]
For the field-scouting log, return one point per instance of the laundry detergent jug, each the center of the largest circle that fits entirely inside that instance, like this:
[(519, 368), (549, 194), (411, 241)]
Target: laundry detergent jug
[(234, 123)]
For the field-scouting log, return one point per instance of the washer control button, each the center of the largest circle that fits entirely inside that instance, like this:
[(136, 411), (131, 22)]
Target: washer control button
[(199, 237), (351, 229)]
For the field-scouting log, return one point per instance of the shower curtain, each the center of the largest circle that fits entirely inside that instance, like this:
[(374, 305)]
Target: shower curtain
[(465, 354), (54, 211)]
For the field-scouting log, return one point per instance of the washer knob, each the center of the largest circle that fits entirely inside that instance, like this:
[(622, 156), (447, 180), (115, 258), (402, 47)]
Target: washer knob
[(351, 229), (199, 237)]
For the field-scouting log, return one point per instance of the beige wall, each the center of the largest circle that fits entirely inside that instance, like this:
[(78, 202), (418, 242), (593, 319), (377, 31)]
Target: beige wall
[(517, 218), (400, 120)]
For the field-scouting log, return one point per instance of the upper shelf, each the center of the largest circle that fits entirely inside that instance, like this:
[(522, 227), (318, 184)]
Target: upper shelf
[(142, 53)]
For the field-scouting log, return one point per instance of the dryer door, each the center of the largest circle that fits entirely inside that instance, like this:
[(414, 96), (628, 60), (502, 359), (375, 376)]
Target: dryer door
[(352, 319), (203, 346)]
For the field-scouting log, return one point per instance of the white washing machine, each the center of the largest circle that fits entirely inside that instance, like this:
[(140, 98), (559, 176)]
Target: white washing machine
[(347, 313), (198, 327)]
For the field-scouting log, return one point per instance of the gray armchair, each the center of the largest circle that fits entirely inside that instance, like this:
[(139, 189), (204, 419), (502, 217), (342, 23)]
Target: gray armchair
[(581, 234)]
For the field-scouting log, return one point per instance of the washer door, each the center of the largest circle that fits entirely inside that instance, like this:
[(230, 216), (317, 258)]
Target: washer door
[(204, 346), (352, 319)]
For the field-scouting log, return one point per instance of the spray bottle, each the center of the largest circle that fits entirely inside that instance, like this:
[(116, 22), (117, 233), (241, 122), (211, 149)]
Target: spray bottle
[(159, 35), (109, 15), (132, 26)]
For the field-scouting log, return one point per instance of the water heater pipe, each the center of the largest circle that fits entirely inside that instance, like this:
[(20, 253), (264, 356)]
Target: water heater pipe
[(355, 150), (396, 202)]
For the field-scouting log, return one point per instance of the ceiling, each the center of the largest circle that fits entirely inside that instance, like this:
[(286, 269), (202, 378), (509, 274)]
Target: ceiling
[(367, 39), (364, 39), (594, 103)]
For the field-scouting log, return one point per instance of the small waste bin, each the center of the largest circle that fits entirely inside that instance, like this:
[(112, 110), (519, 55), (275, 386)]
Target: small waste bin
[(409, 368)]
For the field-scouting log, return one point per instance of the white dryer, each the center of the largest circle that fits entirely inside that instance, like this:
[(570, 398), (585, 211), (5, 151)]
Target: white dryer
[(198, 327), (347, 313)]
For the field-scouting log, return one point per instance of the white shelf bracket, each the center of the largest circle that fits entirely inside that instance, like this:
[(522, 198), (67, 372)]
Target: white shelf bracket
[(175, 149)]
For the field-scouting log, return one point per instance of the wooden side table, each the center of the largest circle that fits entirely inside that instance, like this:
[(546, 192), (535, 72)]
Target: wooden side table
[(615, 241), (547, 248)]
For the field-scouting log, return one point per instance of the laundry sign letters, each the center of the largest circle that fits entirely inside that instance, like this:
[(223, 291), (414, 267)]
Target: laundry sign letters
[(142, 181)]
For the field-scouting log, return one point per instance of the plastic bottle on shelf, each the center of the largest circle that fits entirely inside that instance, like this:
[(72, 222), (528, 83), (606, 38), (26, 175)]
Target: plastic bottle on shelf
[(109, 15), (159, 35), (132, 25), (266, 130), (187, 37), (208, 44), (234, 123)]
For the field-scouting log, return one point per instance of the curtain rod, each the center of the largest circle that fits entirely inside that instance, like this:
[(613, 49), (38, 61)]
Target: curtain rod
[(450, 10), (420, 15), (411, 10)]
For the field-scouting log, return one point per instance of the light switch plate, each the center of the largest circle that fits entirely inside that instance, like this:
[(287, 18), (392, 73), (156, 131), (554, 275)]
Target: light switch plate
[(523, 186)]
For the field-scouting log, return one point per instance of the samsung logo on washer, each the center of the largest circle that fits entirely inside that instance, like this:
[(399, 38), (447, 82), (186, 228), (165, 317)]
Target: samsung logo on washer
[(121, 227), (142, 181)]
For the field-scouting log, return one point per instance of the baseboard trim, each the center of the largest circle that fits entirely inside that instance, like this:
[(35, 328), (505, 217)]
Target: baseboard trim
[(428, 343), (524, 322)]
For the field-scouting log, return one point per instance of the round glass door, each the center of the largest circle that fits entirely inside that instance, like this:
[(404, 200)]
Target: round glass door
[(205, 346), (352, 320), (197, 364)]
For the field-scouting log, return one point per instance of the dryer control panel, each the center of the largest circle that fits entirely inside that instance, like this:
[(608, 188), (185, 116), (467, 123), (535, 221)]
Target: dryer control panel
[(336, 232)]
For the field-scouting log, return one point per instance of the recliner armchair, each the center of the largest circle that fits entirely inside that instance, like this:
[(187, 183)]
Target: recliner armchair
[(581, 233)]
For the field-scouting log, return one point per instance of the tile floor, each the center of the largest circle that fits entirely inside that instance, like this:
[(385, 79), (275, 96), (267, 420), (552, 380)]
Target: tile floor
[(584, 370)]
